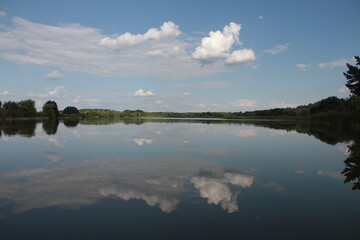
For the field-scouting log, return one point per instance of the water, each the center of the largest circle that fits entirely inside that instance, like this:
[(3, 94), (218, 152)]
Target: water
[(175, 179)]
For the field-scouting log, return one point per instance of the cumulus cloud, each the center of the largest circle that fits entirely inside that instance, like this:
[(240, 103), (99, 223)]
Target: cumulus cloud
[(54, 75), (244, 103), (277, 49), (338, 63), (73, 47), (167, 30), (59, 91), (5, 93), (166, 204), (142, 93), (160, 182), (240, 57), (218, 45), (217, 191)]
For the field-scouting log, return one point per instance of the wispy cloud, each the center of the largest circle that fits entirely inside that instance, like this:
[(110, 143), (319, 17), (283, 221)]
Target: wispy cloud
[(54, 75), (5, 93), (302, 66), (277, 104), (2, 14), (277, 49), (59, 91), (244, 103), (160, 52), (337, 63), (343, 89), (167, 30)]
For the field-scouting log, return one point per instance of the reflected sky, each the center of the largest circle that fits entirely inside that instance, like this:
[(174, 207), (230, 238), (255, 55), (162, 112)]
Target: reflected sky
[(243, 171)]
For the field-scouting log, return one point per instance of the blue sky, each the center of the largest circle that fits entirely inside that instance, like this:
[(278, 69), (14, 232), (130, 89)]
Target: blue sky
[(176, 55)]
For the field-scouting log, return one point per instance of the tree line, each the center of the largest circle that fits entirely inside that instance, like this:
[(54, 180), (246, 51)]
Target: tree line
[(331, 109), (27, 109)]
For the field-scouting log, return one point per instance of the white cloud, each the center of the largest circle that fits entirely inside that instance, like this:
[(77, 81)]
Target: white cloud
[(73, 47), (54, 157), (2, 14), (343, 89), (167, 30), (59, 91), (217, 191), (141, 141), (302, 66), (142, 93), (261, 17), (276, 104), (338, 63), (5, 93), (54, 75), (244, 103), (166, 204), (218, 45), (239, 179), (331, 174), (277, 49), (165, 52), (344, 149), (240, 57)]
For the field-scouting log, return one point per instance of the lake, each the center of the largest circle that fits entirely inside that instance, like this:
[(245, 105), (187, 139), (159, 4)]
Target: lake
[(177, 179)]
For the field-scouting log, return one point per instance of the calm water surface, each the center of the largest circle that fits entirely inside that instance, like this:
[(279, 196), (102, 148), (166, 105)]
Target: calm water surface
[(164, 179)]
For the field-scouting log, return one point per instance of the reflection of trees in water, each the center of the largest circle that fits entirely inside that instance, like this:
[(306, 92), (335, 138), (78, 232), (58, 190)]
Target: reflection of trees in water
[(22, 128), (71, 122), (352, 166), (50, 126), (330, 134)]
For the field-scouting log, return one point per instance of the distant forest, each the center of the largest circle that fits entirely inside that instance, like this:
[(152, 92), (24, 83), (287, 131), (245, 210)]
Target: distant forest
[(331, 110)]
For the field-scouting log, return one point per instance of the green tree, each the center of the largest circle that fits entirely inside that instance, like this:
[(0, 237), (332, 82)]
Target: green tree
[(10, 105), (71, 110), (353, 78), (27, 107), (50, 109)]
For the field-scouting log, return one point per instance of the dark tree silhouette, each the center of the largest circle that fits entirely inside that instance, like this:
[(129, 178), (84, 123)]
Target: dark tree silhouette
[(352, 166), (50, 109), (353, 77)]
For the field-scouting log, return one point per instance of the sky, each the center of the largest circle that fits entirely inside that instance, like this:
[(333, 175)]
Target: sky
[(181, 56)]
